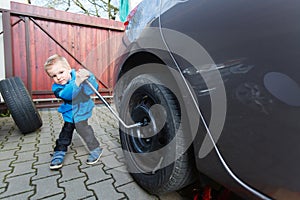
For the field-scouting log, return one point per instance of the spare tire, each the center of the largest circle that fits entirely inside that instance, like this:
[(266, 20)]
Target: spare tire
[(20, 105)]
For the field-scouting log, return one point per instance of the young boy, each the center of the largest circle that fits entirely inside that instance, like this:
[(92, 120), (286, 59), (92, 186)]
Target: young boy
[(76, 108)]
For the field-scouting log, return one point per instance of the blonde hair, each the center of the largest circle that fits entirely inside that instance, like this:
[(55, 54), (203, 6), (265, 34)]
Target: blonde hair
[(55, 59)]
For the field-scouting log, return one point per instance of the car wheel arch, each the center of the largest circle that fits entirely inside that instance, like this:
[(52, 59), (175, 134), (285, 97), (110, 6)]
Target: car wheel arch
[(141, 58)]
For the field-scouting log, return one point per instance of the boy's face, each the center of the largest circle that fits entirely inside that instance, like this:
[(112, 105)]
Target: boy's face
[(59, 73)]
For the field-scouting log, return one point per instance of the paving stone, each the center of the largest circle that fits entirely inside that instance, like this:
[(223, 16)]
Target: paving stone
[(43, 171), (21, 168), (80, 151), (113, 144), (2, 140), (27, 147), (55, 134), (105, 190), (43, 148), (25, 156), (82, 161), (57, 124), (95, 120), (43, 140), (105, 138), (70, 172), (134, 192), (30, 138), (31, 177), (42, 158), (91, 198), (8, 120), (112, 121), (14, 138), (105, 125), (46, 131), (99, 131), (46, 136), (111, 162), (4, 165), (10, 146), (70, 158), (9, 154), (25, 195), (54, 131), (114, 132), (15, 135), (2, 176), (75, 189), (122, 160), (47, 187), (3, 120), (46, 125), (106, 151), (118, 152), (54, 197), (1, 144), (17, 185), (2, 190), (95, 174), (121, 176), (112, 127)]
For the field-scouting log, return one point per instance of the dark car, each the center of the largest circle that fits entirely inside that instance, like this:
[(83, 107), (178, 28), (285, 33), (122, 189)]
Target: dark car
[(215, 85)]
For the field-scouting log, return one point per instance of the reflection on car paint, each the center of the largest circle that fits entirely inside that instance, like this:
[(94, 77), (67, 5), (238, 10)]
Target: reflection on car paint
[(283, 88), (254, 96), (234, 66), (142, 17)]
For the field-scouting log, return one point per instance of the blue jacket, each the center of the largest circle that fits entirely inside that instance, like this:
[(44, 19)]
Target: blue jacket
[(78, 104)]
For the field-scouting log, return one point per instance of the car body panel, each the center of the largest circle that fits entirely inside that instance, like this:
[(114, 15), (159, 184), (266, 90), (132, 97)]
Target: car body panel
[(255, 48)]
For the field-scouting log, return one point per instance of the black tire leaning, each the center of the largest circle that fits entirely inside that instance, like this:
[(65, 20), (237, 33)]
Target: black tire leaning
[(20, 105), (168, 178)]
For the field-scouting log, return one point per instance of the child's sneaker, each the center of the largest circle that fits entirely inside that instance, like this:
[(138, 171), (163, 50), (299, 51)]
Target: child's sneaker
[(57, 159), (94, 156)]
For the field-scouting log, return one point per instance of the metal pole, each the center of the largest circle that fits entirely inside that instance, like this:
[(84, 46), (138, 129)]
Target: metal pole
[(111, 109)]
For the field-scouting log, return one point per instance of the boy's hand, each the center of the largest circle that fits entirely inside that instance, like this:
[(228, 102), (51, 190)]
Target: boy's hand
[(81, 75)]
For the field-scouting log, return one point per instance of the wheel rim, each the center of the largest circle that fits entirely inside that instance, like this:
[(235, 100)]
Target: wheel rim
[(146, 139), (141, 112)]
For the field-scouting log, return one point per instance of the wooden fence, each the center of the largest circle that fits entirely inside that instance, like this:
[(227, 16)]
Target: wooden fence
[(32, 34)]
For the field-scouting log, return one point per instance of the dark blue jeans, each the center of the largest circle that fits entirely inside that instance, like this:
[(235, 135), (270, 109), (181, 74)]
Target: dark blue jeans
[(85, 131)]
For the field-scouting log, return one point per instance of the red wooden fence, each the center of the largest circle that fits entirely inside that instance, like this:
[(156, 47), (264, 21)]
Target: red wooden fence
[(37, 33)]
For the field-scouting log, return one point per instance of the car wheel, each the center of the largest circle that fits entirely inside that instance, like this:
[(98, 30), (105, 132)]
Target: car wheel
[(20, 105), (153, 152)]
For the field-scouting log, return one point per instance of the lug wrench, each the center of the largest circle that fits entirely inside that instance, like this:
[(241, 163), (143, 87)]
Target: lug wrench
[(111, 109)]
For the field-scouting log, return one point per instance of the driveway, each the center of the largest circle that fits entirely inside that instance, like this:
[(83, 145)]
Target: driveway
[(24, 163)]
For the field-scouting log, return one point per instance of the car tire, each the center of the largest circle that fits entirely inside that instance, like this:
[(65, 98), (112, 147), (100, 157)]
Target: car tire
[(142, 153), (20, 105)]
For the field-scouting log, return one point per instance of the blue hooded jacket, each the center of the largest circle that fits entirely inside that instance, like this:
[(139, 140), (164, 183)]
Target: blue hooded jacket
[(77, 104)]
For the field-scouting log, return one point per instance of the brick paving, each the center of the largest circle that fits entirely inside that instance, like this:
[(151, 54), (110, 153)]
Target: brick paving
[(24, 163)]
